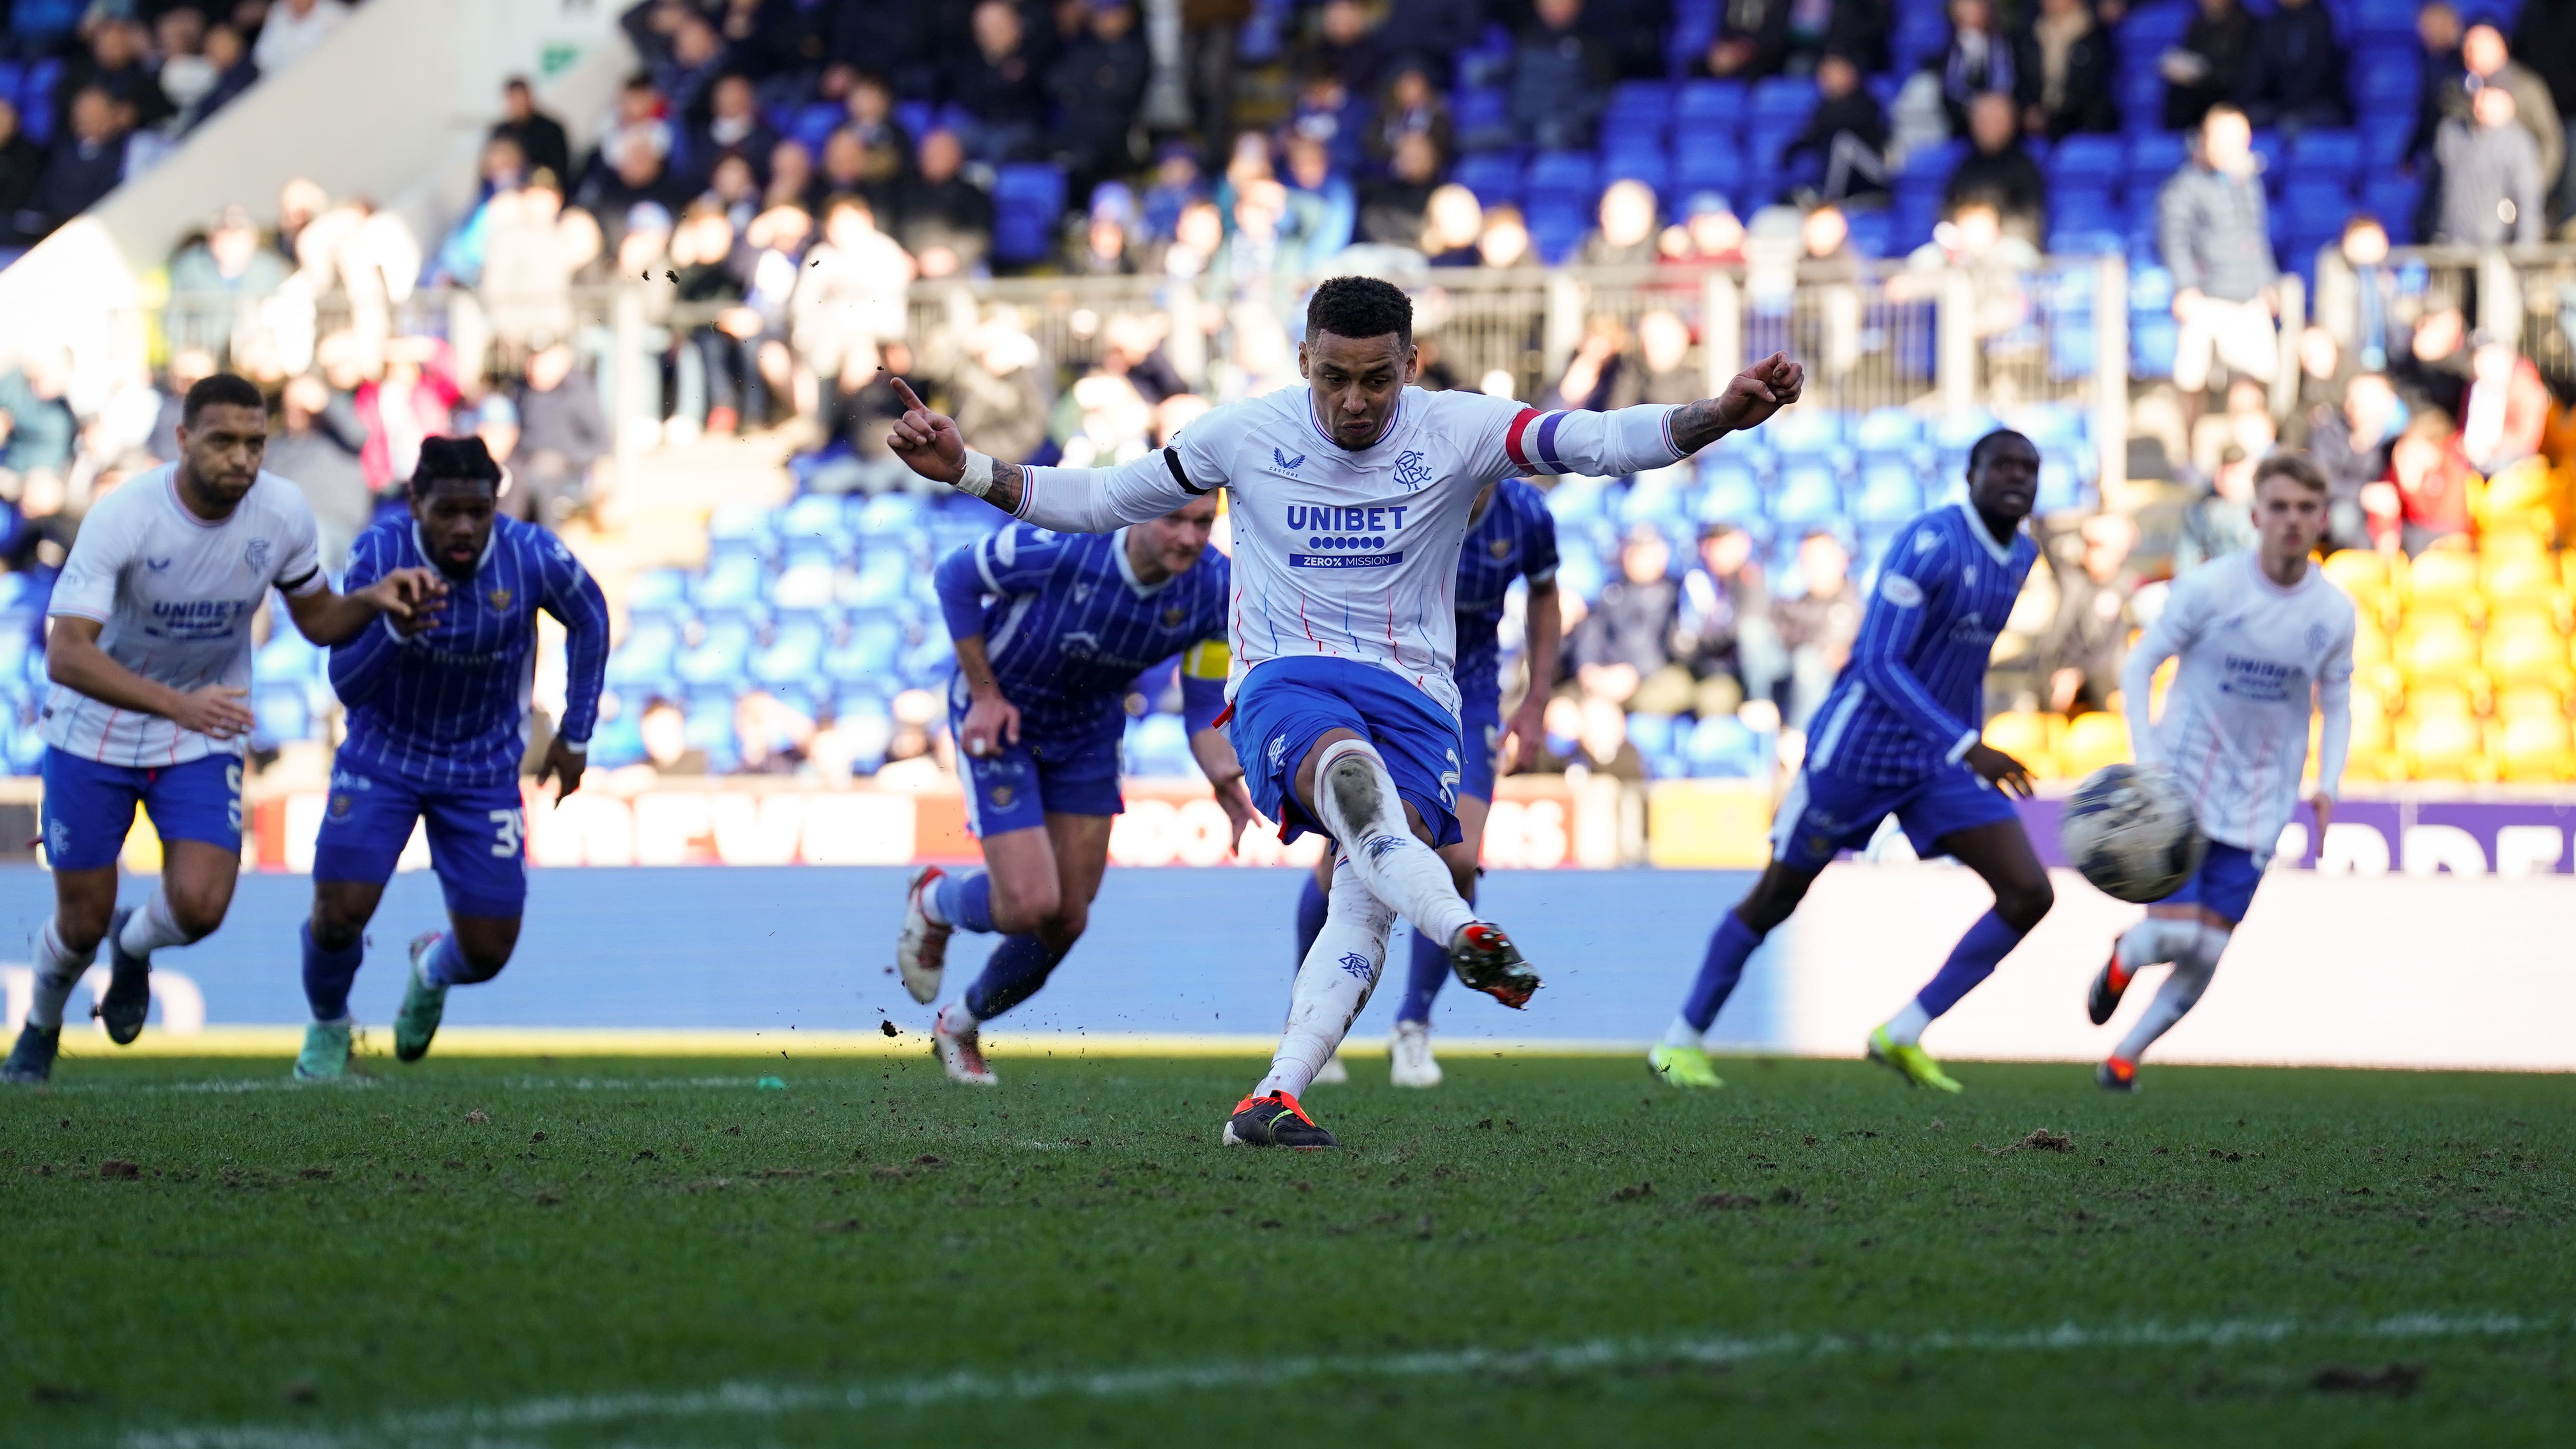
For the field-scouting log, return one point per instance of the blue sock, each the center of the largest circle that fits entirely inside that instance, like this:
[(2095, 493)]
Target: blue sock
[(1729, 947), (966, 899), (1311, 905), (328, 976), (1422, 980), (1971, 961), (446, 965), (1017, 968)]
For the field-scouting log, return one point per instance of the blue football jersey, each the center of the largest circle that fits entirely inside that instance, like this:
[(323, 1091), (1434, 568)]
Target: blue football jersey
[(1068, 626), (449, 705), (1516, 539), (1913, 695)]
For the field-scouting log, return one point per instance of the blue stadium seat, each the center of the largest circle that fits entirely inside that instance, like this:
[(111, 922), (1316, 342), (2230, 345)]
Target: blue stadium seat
[(1808, 497), (2392, 196), (2080, 158), (1956, 431), (710, 728), (2064, 479), (2312, 202), (1556, 229), (1935, 161), (645, 656), (720, 656), (2385, 78), (1636, 164), (1158, 747), (1891, 491), (1028, 200), (815, 124), (813, 517), (1805, 430), (1722, 748), (1711, 105), (1559, 178), (1872, 232), (1495, 176), (866, 655), (2154, 157), (1784, 97), (2150, 29), (1652, 734), (279, 713), (793, 655), (2048, 425), (1638, 110), (1729, 494), (1707, 163), (808, 582), (2325, 153), (1482, 115), (1886, 428), (658, 588)]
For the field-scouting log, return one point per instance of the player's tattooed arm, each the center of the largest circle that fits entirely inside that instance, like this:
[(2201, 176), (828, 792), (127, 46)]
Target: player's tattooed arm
[(930, 445), (1756, 393)]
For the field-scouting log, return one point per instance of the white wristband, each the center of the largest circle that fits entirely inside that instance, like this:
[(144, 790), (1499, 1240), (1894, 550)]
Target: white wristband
[(978, 478)]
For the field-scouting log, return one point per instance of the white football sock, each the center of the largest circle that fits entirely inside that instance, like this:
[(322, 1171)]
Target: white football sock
[(2193, 966), (57, 972), (957, 1019), (2154, 941), (1682, 1034), (151, 928), (1906, 1027), (1356, 797), (1334, 983)]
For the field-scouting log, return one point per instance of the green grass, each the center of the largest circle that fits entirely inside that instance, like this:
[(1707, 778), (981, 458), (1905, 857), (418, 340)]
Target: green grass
[(371, 1266)]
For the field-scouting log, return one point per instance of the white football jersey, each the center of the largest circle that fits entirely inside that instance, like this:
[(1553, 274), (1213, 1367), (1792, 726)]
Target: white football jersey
[(1350, 554), (176, 594), (2235, 724)]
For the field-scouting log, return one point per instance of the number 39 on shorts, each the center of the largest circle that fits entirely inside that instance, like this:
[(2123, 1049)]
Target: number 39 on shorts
[(509, 829)]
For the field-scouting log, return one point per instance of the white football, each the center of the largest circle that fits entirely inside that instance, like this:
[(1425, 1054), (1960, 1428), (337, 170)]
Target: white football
[(2129, 829)]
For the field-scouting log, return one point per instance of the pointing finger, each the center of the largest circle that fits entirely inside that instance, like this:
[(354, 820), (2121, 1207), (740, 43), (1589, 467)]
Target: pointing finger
[(911, 403)]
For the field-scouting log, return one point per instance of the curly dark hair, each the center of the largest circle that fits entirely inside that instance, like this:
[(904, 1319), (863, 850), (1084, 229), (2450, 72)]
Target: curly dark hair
[(1977, 453), (453, 459), (1360, 307)]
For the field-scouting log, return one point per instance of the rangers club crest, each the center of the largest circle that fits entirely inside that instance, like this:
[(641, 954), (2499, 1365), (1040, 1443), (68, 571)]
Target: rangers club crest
[(256, 555), (1411, 470)]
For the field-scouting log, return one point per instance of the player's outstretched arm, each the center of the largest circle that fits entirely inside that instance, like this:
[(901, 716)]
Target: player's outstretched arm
[(408, 598), (1749, 401), (74, 661), (1069, 500)]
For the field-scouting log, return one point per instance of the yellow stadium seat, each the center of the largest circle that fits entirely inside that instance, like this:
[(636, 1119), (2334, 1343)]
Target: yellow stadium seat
[(2522, 646), (2441, 701), (2369, 643), (2517, 499), (2370, 577), (2373, 754), (2441, 581), (2535, 747), (2092, 741), (2436, 650), (2027, 736), (2446, 747), (2511, 579), (2522, 701)]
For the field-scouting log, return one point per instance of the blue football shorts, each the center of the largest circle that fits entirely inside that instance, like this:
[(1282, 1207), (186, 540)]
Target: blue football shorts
[(1480, 728), (1023, 782), (1284, 705), (2224, 884), (89, 806), (477, 837), (1825, 814)]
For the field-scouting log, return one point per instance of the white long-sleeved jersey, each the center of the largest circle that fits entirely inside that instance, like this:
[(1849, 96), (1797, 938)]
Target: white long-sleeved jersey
[(2235, 724), (1342, 553)]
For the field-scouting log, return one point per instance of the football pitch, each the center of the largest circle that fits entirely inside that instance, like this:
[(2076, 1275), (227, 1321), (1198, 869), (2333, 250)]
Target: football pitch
[(612, 1251)]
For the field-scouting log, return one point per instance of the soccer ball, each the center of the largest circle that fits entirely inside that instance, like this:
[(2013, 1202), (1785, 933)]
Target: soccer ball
[(2129, 829)]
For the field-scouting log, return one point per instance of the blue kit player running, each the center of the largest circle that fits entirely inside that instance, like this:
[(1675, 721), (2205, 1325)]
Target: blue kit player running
[(1899, 735), (1051, 631), (2265, 641), (150, 658), (1351, 499), (438, 722), (1512, 537)]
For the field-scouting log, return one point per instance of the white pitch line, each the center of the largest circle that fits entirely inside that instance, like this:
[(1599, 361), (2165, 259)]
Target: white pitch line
[(450, 1427)]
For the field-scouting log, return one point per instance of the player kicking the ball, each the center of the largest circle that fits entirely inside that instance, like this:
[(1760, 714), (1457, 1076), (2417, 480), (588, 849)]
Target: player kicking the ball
[(150, 658), (438, 722), (1351, 497), (1510, 536), (1899, 735), (1052, 630), (2263, 637)]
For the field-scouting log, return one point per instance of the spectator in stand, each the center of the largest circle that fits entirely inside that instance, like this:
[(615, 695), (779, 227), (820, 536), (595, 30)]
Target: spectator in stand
[(998, 391), (2433, 373), (40, 432), (1327, 111), (87, 161), (188, 366), (664, 730), (1726, 616), (2507, 412), (413, 396), (22, 170), (1177, 184), (765, 38), (317, 447), (1323, 208), (2487, 64), (735, 190), (116, 62), (1412, 108), (686, 74), (734, 127), (1596, 743), (1344, 46), (2220, 521), (563, 433), (2489, 172), (227, 55), (1395, 208), (212, 280), (636, 177), (1814, 630), (1432, 33), (1709, 234), (1098, 84), (2087, 642), (1633, 31), (295, 29), (1626, 235), (540, 137), (179, 48), (2357, 303), (1255, 250), (1979, 60), (1506, 242), (849, 300), (637, 117), (1131, 346), (770, 735), (1845, 142), (2205, 69), (2437, 28), (2067, 70), (2293, 76), (1599, 377), (2544, 36), (1758, 38), (871, 151), (2424, 498), (999, 85), (1452, 223), (1628, 638), (529, 258), (1103, 246), (1999, 172), (944, 220), (2212, 233), (791, 175), (1667, 373), (703, 251), (1560, 78), (2350, 445)]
